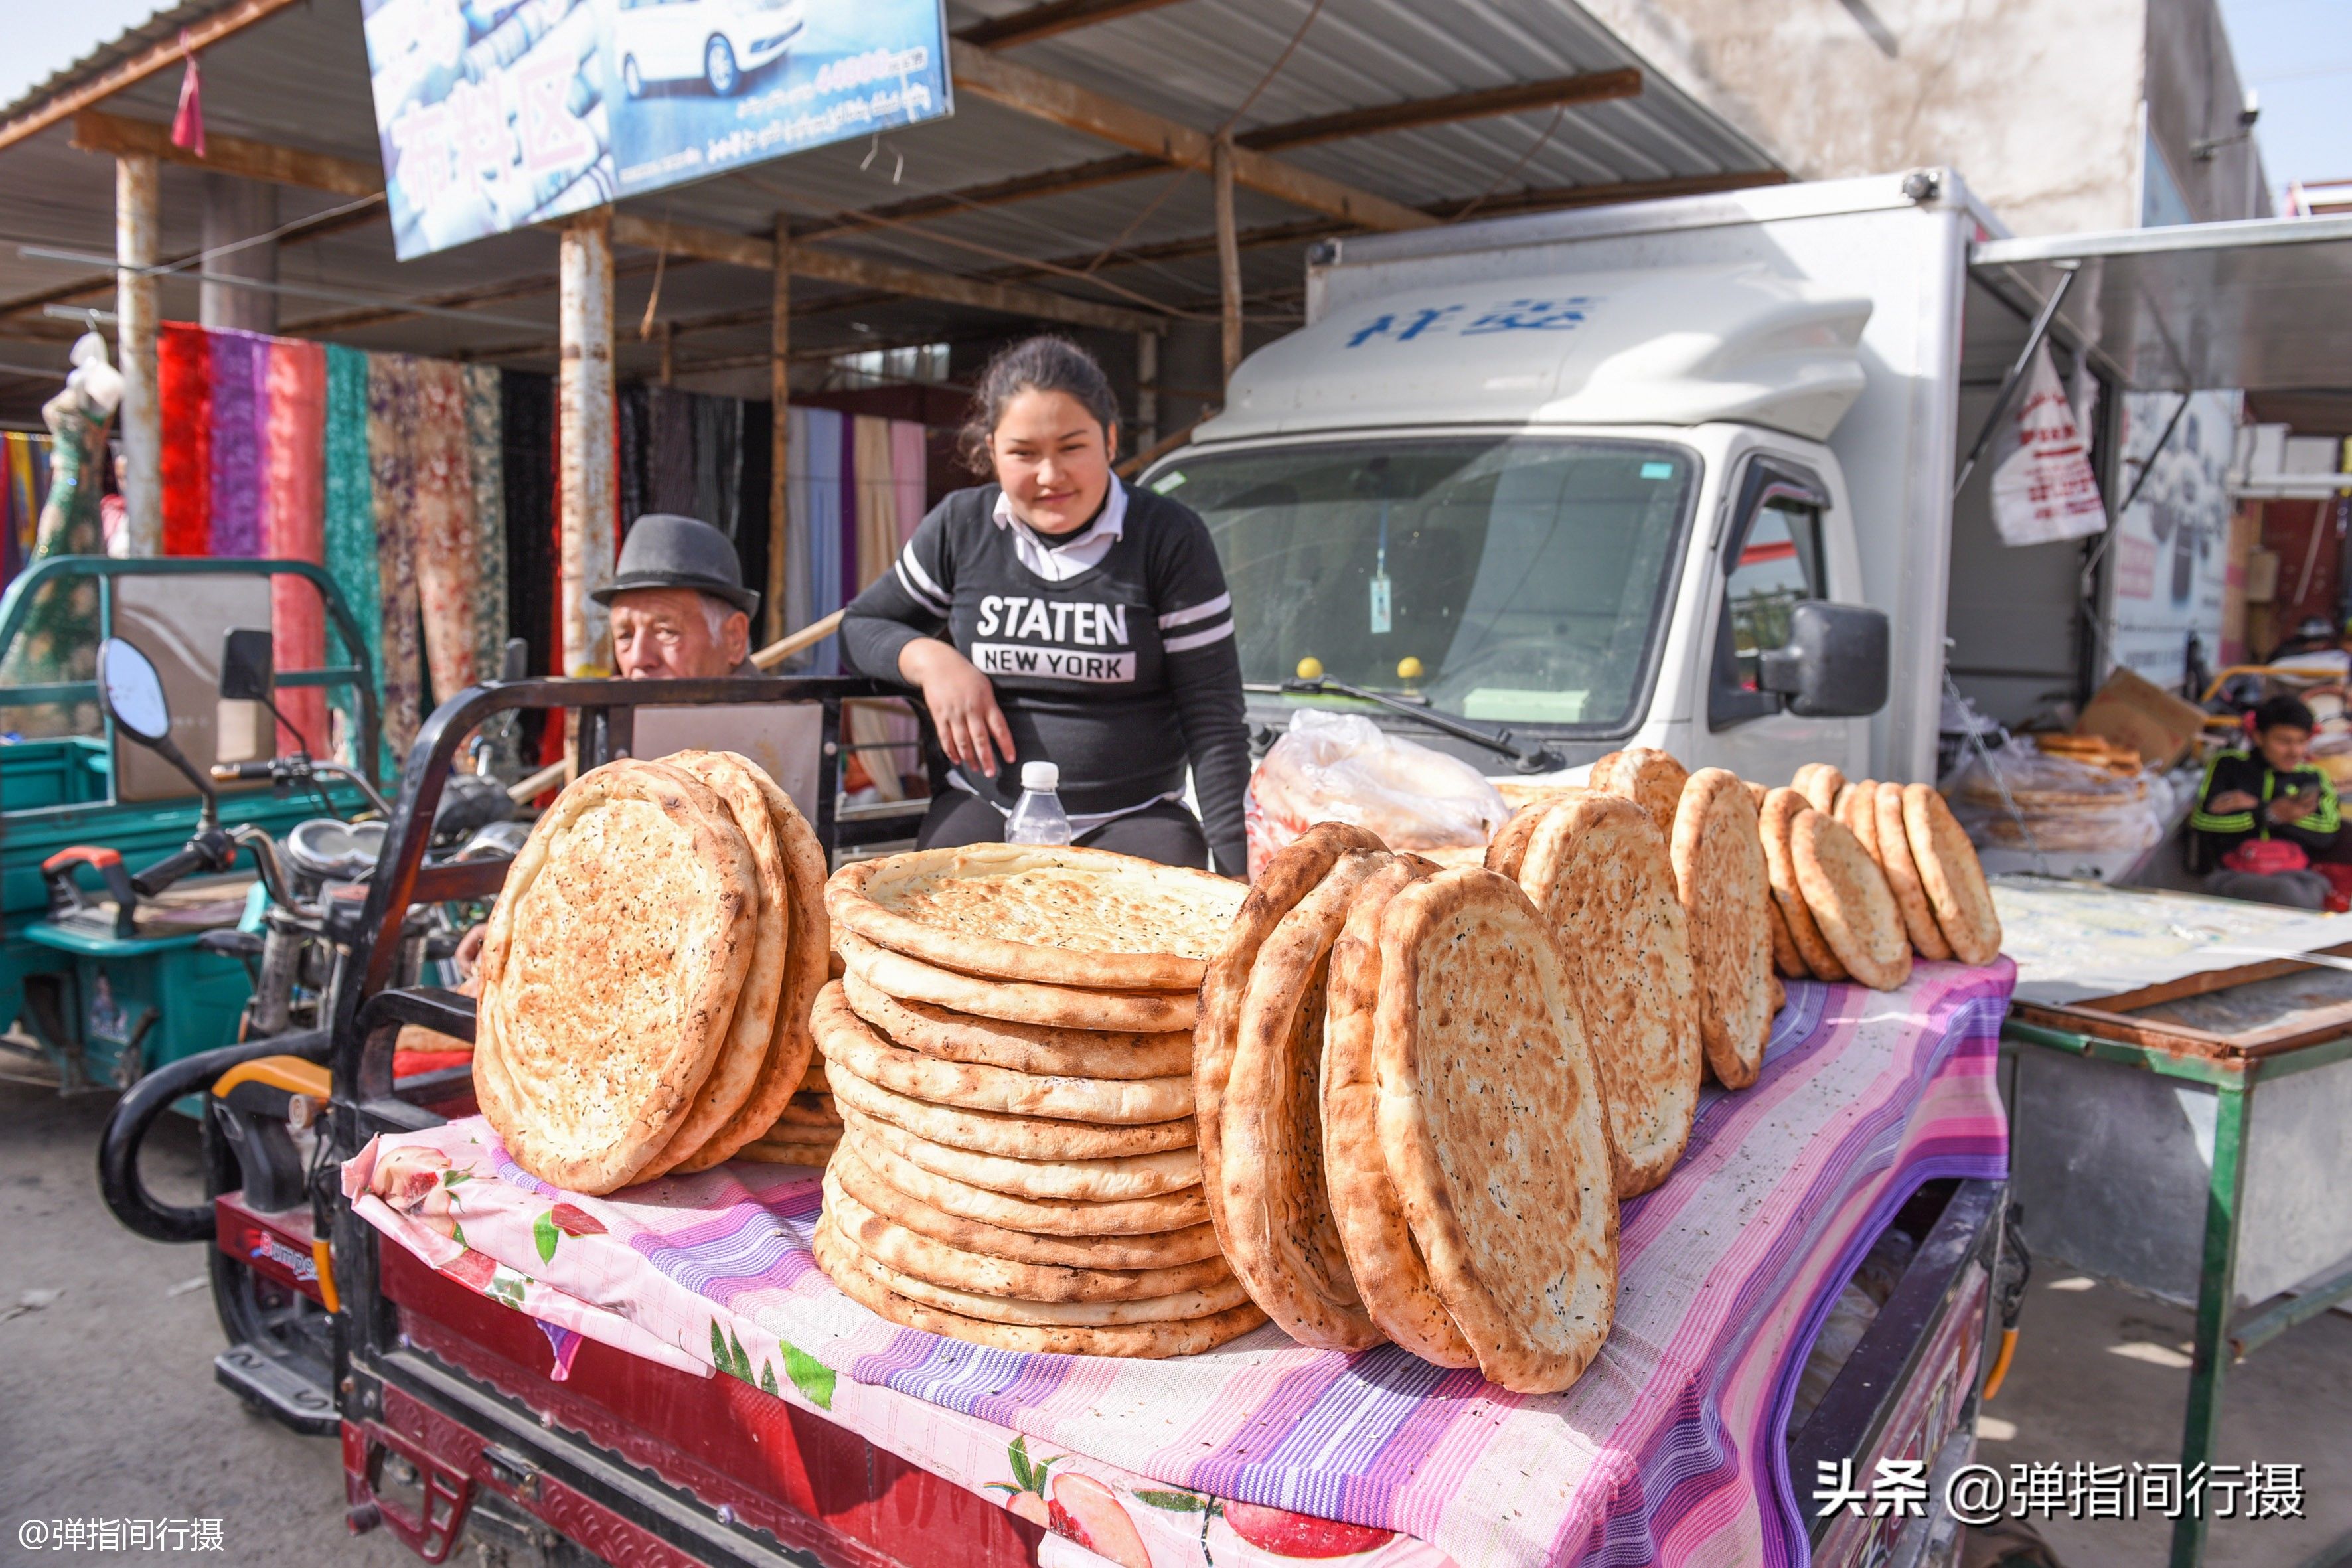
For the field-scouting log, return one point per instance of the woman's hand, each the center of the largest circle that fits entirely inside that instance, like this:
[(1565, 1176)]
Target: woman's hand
[(961, 702)]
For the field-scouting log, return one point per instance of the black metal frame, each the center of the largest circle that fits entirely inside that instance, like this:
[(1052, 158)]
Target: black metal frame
[(367, 1012)]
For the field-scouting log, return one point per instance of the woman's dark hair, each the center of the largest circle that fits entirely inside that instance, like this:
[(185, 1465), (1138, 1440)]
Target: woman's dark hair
[(1043, 363)]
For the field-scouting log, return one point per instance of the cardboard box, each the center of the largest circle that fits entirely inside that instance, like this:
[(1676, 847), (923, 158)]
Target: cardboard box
[(2132, 710)]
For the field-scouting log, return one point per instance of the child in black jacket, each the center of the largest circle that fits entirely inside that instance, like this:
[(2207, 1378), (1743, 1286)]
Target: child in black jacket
[(2268, 793)]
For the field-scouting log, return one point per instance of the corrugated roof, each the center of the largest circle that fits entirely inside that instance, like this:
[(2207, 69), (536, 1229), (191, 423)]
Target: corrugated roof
[(299, 79)]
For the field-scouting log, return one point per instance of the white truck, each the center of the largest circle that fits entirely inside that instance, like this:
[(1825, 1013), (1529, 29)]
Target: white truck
[(1611, 477)]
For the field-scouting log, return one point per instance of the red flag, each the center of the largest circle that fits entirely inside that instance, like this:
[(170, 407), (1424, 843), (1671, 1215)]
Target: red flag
[(188, 125)]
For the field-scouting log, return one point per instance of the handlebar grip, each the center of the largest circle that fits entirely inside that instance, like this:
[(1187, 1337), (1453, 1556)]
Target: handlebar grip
[(170, 870), (242, 772)]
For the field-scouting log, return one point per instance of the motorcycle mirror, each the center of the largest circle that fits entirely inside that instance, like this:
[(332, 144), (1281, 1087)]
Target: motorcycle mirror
[(132, 693), (248, 669)]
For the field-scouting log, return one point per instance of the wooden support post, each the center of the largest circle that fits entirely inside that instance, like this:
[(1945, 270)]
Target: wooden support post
[(779, 442), (1229, 253), (584, 411), (137, 197)]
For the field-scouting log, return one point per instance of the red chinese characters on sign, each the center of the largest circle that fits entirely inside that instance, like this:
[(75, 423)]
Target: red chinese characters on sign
[(2044, 489)]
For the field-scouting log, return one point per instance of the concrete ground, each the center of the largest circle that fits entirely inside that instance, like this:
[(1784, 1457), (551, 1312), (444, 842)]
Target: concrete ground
[(107, 1407), (2102, 1377)]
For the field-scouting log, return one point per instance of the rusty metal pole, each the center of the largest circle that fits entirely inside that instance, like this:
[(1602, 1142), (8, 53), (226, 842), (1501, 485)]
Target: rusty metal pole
[(584, 411), (780, 441), (137, 198), (1229, 252)]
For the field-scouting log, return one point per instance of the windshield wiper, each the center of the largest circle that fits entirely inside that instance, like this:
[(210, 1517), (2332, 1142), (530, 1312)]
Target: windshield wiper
[(1537, 759)]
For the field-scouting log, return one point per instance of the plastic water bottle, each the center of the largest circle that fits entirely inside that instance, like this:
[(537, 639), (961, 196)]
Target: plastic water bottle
[(1037, 816)]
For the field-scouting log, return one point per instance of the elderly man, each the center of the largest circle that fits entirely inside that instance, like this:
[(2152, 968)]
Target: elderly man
[(678, 604)]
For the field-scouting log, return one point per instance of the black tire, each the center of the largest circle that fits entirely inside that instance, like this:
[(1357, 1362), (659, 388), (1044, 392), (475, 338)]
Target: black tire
[(719, 69)]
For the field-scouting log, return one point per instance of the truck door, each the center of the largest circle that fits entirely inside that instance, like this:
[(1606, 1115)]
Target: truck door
[(1776, 550)]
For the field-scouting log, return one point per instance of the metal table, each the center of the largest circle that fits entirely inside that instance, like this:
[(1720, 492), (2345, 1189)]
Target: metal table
[(2107, 1110)]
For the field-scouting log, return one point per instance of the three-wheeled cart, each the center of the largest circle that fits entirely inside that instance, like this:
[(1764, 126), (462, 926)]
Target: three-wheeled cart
[(458, 1411)]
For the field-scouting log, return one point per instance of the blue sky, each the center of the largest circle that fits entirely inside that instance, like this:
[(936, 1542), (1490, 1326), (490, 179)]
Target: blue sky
[(2297, 54)]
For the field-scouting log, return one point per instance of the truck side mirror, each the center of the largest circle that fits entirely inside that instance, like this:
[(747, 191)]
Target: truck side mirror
[(1834, 663)]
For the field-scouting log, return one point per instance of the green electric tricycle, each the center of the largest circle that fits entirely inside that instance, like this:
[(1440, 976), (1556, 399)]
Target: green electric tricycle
[(129, 911)]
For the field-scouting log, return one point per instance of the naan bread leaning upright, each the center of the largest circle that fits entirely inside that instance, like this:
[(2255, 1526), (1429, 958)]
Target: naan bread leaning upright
[(1649, 777), (1600, 872), (610, 972), (1720, 869)]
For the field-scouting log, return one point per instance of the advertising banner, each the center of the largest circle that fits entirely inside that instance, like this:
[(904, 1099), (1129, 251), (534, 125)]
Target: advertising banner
[(494, 115)]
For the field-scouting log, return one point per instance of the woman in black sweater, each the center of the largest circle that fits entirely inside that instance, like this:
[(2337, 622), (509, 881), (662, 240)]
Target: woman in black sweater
[(1056, 615)]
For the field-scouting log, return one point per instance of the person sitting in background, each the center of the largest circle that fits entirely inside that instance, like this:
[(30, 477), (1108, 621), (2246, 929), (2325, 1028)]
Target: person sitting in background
[(2263, 813)]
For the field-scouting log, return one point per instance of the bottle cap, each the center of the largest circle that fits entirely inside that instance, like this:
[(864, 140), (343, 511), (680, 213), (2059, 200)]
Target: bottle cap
[(1044, 777)]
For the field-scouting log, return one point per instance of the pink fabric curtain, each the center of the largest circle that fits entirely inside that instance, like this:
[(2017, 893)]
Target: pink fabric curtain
[(877, 498), (293, 522), (446, 562)]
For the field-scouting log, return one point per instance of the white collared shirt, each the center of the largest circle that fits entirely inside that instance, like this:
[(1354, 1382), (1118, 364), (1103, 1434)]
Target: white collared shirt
[(1060, 563)]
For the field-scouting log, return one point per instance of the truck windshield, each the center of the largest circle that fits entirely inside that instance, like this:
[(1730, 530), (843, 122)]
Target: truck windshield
[(1515, 578)]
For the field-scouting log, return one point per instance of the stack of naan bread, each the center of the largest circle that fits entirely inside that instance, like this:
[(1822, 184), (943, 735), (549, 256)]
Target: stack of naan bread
[(1011, 1048), (1404, 1120), (647, 974), (1866, 874)]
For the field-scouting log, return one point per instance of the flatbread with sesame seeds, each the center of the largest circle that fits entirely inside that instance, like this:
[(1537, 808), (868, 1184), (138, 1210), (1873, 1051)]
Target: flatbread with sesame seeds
[(1719, 871)]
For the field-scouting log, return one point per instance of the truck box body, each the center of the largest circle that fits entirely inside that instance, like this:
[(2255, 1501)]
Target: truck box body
[(1800, 343)]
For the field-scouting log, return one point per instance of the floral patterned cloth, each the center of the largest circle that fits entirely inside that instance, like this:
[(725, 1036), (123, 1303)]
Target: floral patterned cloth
[(350, 523), (391, 417), (1669, 1449), (444, 537)]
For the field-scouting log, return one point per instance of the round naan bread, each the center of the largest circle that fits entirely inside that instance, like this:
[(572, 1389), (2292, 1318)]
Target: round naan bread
[(1055, 916), (1278, 1233), (610, 972), (1786, 959), (1650, 778), (1847, 893), (1294, 871), (1036, 1049), (1492, 1121), (1600, 872), (751, 1032), (1719, 871), (1890, 843), (1510, 845), (1166, 1249), (910, 1252), (780, 1150), (1118, 1101), (1381, 1256), (1819, 783), (993, 1133), (1096, 1181), (1043, 1217), (1952, 876), (1014, 1001), (864, 1283), (1781, 808), (792, 1049)]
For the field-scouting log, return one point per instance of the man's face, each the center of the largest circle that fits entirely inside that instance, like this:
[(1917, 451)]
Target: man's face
[(2285, 747), (668, 634)]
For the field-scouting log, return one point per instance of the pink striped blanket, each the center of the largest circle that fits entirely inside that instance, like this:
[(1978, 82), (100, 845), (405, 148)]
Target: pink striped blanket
[(1667, 1450)]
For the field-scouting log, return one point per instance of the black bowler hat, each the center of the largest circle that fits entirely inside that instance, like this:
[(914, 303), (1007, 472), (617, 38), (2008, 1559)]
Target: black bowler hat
[(666, 551)]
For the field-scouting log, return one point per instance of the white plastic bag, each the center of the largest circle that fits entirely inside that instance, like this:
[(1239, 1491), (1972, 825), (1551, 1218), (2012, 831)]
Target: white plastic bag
[(1342, 767)]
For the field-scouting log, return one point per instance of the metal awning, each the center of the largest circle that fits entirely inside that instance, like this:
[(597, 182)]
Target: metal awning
[(2260, 305)]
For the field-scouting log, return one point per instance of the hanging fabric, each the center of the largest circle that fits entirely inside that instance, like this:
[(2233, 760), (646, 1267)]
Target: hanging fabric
[(631, 406), (441, 473), (392, 461), (816, 438), (788, 535), (293, 524), (184, 373), (485, 471), (527, 483), (849, 558), (670, 451), (28, 485), (239, 385), (911, 469), (58, 639), (877, 498), (348, 527)]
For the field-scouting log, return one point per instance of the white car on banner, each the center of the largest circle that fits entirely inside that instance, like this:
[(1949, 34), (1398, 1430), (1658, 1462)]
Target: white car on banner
[(718, 43)]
